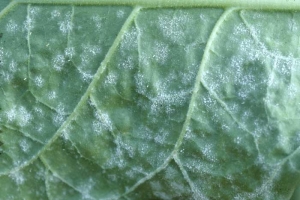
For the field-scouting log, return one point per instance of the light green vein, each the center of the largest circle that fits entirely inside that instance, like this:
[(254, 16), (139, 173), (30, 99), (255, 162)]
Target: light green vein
[(196, 193), (85, 96), (7, 9)]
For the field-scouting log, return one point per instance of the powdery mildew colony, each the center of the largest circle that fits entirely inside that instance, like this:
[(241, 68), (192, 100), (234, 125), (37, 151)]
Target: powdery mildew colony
[(165, 103)]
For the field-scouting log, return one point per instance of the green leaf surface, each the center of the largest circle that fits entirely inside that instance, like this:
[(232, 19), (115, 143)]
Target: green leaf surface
[(137, 100)]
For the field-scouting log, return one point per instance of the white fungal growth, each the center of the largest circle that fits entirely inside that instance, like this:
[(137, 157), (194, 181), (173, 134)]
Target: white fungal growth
[(25, 116), (13, 66), (98, 21), (12, 26), (66, 25), (111, 79), (39, 81), (120, 13), (11, 114), (17, 177), (55, 14), (25, 146), (58, 62), (70, 52), (105, 120), (161, 52), (52, 95), (171, 26)]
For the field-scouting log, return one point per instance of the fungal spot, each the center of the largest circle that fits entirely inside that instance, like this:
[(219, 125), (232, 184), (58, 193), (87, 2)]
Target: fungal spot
[(1, 35)]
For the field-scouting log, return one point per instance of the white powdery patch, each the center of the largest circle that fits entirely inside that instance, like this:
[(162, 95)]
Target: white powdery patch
[(111, 79), (92, 50), (13, 66), (161, 52), (70, 52), (165, 102), (29, 23), (52, 95), (120, 13), (55, 14), (11, 114), (85, 76), (12, 26), (58, 62), (105, 121), (17, 177), (208, 152), (85, 189), (98, 21), (19, 114), (39, 81), (58, 119), (38, 111), (129, 40), (25, 145), (66, 25), (97, 128), (126, 64), (171, 26), (25, 116)]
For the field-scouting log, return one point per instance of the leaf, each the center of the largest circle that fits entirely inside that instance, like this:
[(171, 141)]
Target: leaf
[(148, 100)]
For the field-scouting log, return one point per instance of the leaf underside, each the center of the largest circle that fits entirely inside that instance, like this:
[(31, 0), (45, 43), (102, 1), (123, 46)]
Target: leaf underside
[(121, 102)]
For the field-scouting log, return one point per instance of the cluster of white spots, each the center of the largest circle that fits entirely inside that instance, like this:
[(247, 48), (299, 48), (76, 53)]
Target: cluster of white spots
[(58, 62), (237, 140), (17, 177), (61, 109), (65, 135), (97, 127), (58, 119), (70, 52), (240, 29), (161, 52), (87, 55), (98, 21), (12, 26), (25, 116), (66, 25), (85, 189), (30, 21), (39, 81), (25, 145), (19, 114), (11, 114), (105, 120), (171, 26), (85, 76), (13, 66), (129, 40), (91, 49), (55, 14), (208, 152), (52, 95), (120, 13), (127, 63), (160, 138), (38, 111), (293, 90), (140, 83), (111, 79), (134, 172)]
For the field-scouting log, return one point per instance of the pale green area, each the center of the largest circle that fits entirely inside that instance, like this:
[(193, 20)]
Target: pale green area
[(121, 102)]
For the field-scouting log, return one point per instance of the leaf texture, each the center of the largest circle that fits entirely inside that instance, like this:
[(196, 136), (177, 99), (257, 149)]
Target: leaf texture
[(133, 102)]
